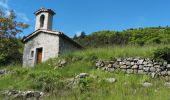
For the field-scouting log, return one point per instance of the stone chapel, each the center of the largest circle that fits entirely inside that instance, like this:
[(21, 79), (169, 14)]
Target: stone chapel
[(44, 43)]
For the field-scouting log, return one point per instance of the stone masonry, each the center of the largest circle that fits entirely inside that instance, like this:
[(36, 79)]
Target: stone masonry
[(136, 66)]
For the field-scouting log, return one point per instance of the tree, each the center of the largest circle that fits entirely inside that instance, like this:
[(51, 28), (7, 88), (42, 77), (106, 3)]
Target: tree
[(75, 37), (82, 34), (10, 46)]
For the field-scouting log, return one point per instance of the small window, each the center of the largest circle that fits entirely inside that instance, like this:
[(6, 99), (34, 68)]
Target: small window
[(32, 54), (42, 18)]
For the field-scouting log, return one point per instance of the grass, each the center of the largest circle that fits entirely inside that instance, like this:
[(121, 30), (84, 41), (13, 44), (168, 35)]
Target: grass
[(116, 51), (43, 77)]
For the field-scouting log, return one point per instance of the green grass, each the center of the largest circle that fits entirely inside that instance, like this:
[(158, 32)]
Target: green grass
[(128, 87), (117, 51)]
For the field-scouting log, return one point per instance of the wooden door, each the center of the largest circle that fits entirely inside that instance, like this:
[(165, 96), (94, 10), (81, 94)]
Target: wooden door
[(39, 55)]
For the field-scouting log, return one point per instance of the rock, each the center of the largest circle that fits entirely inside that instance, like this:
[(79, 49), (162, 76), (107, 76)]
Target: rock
[(168, 66), (157, 66), (136, 60), (146, 69), (12, 92), (23, 95), (163, 68), (152, 69), (128, 67), (2, 72), (111, 69), (167, 84), (153, 75), (111, 80), (140, 61), (33, 94), (135, 66), (158, 69), (82, 75), (147, 84), (150, 65), (132, 63), (122, 63), (129, 59), (100, 64), (165, 63), (115, 65), (128, 63), (19, 96), (62, 62), (145, 63), (140, 72), (123, 67), (110, 66), (167, 78), (163, 73), (140, 67), (119, 60), (168, 73), (129, 71)]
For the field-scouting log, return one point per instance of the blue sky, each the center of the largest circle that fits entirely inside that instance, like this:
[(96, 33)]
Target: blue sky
[(73, 16)]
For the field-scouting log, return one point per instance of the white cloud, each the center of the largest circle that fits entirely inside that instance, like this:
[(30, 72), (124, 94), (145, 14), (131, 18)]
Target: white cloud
[(4, 4), (23, 16), (78, 33)]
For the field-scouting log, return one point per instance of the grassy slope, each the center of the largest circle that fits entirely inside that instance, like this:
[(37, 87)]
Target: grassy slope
[(128, 87)]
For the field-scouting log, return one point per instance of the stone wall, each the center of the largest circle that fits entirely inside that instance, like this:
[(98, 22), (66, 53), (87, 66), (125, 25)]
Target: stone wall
[(136, 66)]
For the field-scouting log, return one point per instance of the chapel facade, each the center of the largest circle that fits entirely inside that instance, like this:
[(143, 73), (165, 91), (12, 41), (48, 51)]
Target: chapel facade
[(44, 43)]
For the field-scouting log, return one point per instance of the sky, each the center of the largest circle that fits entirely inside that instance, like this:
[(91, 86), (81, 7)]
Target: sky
[(74, 16)]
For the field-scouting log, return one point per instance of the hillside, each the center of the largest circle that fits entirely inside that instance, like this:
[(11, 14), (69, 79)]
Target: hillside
[(56, 77), (139, 36)]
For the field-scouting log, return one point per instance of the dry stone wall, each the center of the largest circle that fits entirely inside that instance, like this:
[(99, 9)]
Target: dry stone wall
[(136, 66)]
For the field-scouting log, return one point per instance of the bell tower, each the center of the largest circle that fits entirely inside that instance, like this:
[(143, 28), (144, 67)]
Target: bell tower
[(44, 19)]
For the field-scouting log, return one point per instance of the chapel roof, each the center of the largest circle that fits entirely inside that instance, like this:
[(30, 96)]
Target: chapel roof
[(60, 34)]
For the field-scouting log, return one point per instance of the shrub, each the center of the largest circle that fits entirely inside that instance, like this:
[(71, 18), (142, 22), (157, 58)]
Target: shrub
[(162, 53), (46, 81)]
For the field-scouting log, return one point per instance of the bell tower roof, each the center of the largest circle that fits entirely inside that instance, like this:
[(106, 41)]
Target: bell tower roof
[(44, 10)]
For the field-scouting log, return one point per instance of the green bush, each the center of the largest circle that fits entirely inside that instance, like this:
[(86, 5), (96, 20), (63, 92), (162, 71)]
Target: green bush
[(10, 51), (162, 53), (140, 36), (46, 81)]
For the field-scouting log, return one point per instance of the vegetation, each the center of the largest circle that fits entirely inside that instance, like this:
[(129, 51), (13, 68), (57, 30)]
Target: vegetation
[(141, 36), (44, 77), (162, 53), (10, 46)]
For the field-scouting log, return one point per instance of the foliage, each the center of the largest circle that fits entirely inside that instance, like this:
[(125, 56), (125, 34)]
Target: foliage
[(46, 81), (141, 36), (82, 35), (10, 46), (162, 53), (10, 51)]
